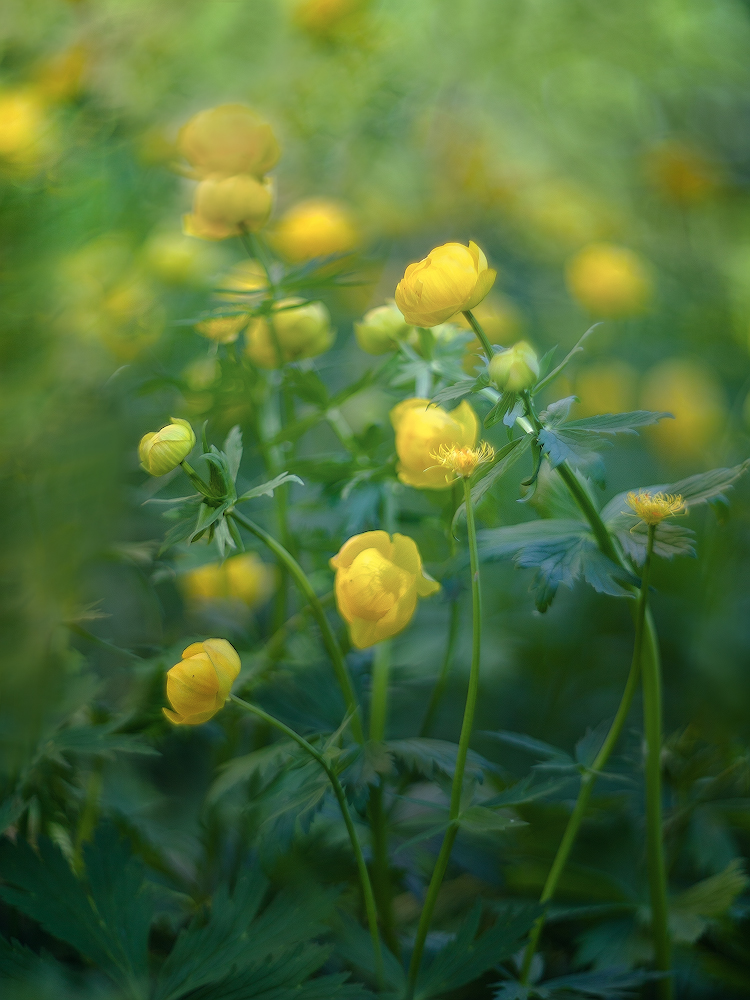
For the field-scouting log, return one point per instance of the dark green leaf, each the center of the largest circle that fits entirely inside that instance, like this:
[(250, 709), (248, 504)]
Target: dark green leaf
[(436, 757), (96, 739), (481, 819)]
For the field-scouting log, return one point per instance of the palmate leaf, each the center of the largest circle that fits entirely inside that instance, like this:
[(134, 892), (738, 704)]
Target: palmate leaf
[(20, 963), (106, 921), (604, 984), (562, 550), (469, 955), (354, 945), (95, 740), (436, 757), (264, 764)]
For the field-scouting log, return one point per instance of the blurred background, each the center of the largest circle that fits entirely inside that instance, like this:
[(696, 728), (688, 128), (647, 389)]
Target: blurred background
[(598, 153)]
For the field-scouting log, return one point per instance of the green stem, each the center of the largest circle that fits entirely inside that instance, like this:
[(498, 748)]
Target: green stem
[(329, 639), (442, 682), (381, 668), (463, 750), (476, 327), (657, 877), (372, 918)]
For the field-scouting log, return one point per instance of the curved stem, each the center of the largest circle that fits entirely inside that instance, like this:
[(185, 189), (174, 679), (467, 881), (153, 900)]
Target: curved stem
[(477, 328), (657, 877), (364, 877), (463, 750), (329, 639)]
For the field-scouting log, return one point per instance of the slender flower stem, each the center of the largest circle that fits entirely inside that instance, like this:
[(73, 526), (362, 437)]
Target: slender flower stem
[(372, 918), (476, 327), (588, 780), (329, 639), (442, 682), (463, 750), (657, 877)]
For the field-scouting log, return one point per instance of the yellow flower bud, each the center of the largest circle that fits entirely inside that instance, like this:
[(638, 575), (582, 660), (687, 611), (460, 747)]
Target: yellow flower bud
[(229, 139), (224, 206), (377, 584), (693, 394), (382, 329), (316, 227), (451, 279), (302, 332), (163, 450), (199, 685), (609, 280), (243, 578), (516, 369), (421, 430)]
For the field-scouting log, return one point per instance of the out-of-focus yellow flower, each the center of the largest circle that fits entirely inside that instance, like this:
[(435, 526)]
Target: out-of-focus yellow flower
[(24, 128), (377, 584), (421, 430), (563, 212), (222, 329), (320, 17), (176, 259), (653, 508), (382, 329), (161, 451), (516, 369), (609, 280), (242, 578), (199, 685), (606, 387), (451, 279), (316, 227), (224, 206), (681, 174), (693, 394), (499, 319), (463, 462), (60, 77), (202, 373), (301, 330), (229, 140)]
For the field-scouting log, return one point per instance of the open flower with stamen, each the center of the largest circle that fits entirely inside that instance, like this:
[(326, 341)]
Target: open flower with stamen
[(654, 507), (463, 462)]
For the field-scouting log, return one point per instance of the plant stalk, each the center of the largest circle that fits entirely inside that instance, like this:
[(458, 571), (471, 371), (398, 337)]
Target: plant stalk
[(482, 336), (372, 918), (463, 748), (657, 876), (329, 639)]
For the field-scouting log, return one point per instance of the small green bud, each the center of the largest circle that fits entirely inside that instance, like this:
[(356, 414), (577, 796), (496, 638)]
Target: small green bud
[(382, 329), (516, 369), (163, 450)]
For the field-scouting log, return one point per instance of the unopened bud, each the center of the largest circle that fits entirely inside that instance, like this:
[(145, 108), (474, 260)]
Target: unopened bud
[(382, 329), (516, 369)]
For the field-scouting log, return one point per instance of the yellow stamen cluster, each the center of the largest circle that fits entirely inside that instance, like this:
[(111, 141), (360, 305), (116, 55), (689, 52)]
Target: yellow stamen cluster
[(463, 461), (654, 508)]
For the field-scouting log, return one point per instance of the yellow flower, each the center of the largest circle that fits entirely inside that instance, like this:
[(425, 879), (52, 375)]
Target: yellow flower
[(243, 578), (163, 450), (301, 331), (316, 227), (176, 259), (653, 508), (23, 127), (222, 329), (451, 279), (516, 369), (609, 280), (224, 206), (229, 139), (377, 584), (692, 393), (463, 462), (382, 329), (199, 685), (421, 429), (321, 17)]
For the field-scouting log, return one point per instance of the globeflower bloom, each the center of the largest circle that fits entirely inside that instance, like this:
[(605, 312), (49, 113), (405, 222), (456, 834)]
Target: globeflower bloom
[(225, 206), (382, 329), (463, 462), (451, 279), (163, 450), (421, 430), (378, 580), (316, 227), (516, 369), (199, 685), (229, 139), (301, 330), (244, 578), (609, 280)]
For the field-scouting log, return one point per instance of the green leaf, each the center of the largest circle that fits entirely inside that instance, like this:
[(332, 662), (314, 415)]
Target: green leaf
[(468, 956), (459, 389), (354, 945), (565, 362), (308, 386), (713, 896), (606, 984), (10, 811), (364, 764), (266, 489), (529, 789), (575, 447), (436, 757), (94, 740), (262, 763), (233, 450), (206, 517), (618, 423), (20, 963), (481, 819), (538, 748)]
